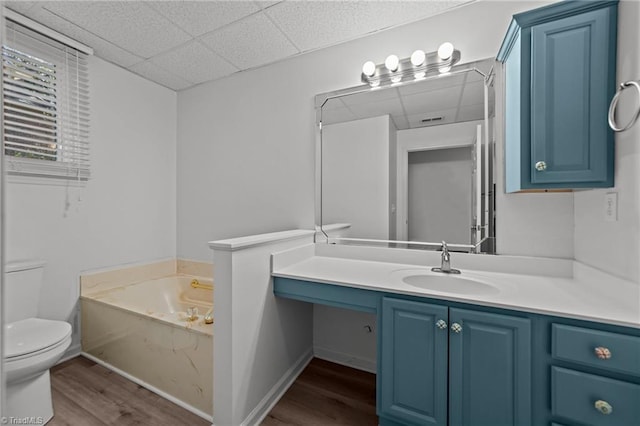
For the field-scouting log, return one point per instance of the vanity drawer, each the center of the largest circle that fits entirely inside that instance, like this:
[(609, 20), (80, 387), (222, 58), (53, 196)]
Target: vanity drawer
[(602, 349), (586, 398)]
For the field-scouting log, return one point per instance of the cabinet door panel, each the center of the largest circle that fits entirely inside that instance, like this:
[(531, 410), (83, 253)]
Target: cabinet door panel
[(413, 363), (569, 99), (489, 369)]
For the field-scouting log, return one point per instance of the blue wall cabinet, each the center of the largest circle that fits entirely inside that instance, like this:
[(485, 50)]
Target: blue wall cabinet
[(487, 357), (489, 369), (560, 70), (413, 361)]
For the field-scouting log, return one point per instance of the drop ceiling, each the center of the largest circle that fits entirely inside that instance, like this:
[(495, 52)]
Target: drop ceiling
[(179, 44)]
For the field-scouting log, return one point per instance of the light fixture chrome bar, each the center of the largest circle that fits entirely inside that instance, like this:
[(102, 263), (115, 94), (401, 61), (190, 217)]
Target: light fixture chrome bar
[(406, 70)]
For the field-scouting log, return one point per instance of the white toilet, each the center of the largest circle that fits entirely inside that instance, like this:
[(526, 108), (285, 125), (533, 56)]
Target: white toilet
[(31, 345)]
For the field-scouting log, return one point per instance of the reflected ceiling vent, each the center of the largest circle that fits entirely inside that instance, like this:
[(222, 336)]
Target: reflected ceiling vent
[(432, 119)]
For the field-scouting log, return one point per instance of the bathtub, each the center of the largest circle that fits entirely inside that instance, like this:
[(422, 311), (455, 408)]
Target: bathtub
[(142, 330)]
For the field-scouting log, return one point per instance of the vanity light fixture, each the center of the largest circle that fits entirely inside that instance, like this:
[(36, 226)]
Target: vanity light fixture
[(395, 71)]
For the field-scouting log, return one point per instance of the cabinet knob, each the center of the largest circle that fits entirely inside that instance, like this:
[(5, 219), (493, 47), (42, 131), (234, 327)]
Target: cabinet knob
[(441, 324), (602, 352), (456, 328), (603, 406), (541, 166)]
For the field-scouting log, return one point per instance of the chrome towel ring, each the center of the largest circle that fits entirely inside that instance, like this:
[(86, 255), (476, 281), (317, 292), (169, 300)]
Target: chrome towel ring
[(614, 103)]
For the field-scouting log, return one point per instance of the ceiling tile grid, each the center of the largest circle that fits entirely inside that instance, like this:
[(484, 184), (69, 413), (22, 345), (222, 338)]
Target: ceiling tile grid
[(195, 62), (129, 24), (250, 42), (200, 17), (182, 43), (154, 73)]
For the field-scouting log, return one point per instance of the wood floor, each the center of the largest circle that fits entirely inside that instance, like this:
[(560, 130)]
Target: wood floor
[(325, 394), (87, 394)]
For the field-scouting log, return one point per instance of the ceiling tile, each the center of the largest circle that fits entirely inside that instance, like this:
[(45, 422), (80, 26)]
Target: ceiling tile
[(20, 6), (400, 121), (441, 82), (368, 96), (200, 17), (338, 115), (432, 101), (194, 62), (375, 109), (473, 93), (471, 112), (131, 25), (154, 73), (251, 42), (102, 48), (314, 24), (265, 4)]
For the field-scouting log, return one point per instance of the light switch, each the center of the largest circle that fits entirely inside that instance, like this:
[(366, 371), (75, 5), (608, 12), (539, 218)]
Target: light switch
[(611, 207)]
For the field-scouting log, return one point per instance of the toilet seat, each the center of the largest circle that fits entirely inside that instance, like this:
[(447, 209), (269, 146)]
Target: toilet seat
[(33, 336)]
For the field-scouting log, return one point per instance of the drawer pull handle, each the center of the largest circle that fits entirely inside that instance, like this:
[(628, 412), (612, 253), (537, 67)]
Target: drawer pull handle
[(603, 406), (441, 324), (602, 353), (456, 328)]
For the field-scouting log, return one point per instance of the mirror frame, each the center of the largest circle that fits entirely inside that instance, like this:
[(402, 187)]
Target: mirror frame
[(321, 234)]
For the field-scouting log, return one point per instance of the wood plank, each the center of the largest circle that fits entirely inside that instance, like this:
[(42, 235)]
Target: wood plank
[(327, 394), (85, 393), (88, 394)]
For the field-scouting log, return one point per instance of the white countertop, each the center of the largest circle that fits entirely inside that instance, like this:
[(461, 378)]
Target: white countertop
[(583, 293)]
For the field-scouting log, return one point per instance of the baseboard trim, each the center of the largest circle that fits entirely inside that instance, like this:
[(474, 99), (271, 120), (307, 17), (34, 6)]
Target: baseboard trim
[(348, 360), (272, 397), (146, 385)]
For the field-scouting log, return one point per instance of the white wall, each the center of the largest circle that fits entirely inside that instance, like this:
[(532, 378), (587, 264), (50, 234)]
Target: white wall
[(246, 151), (261, 342), (246, 142), (419, 139), (440, 194), (615, 246), (355, 176), (125, 213)]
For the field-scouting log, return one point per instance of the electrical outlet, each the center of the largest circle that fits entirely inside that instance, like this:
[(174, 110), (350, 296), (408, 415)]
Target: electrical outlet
[(611, 207)]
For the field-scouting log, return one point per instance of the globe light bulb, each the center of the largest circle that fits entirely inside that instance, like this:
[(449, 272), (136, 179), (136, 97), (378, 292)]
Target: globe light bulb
[(445, 51), (418, 57), (396, 79), (392, 63), (420, 75), (369, 69)]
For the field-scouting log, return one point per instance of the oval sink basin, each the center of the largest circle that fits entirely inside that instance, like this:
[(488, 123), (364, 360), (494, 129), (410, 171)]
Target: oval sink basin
[(449, 284)]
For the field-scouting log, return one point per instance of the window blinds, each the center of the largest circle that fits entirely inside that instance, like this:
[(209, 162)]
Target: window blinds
[(45, 105)]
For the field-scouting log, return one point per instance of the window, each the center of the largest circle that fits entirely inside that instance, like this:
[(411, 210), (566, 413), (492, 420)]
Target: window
[(45, 105)]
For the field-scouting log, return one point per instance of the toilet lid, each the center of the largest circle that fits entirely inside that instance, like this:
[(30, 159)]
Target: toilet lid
[(32, 335)]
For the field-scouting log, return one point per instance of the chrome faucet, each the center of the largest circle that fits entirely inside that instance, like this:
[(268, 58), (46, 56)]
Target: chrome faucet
[(445, 266)]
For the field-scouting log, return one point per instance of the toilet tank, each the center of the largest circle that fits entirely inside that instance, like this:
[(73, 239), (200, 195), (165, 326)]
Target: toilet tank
[(22, 285)]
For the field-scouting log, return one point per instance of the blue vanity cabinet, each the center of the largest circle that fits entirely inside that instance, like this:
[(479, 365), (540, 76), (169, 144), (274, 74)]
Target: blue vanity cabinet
[(595, 375), (487, 357), (560, 66), (413, 362), (489, 369)]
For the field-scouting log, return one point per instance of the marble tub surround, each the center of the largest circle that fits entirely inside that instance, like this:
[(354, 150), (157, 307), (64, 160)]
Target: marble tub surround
[(92, 282), (174, 362), (163, 299), (134, 321), (559, 287)]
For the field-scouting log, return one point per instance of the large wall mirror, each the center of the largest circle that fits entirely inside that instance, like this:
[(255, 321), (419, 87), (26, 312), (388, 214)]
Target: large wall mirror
[(410, 164)]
